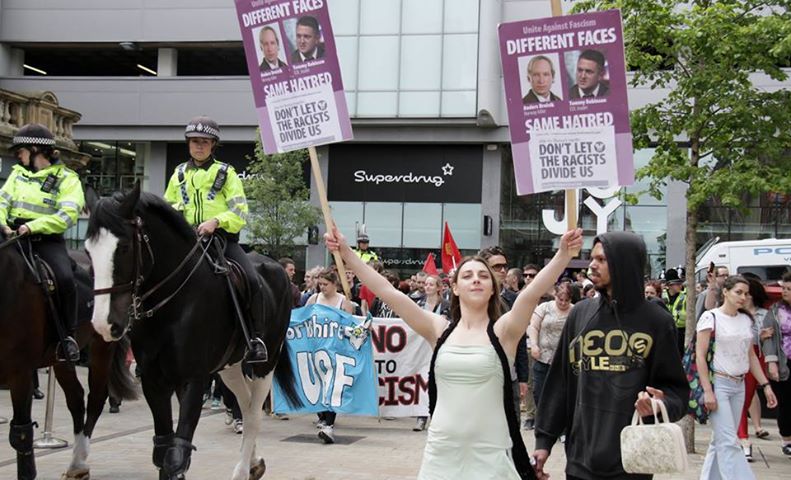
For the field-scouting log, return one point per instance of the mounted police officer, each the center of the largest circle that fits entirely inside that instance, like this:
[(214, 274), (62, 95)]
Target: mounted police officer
[(211, 197), (42, 198)]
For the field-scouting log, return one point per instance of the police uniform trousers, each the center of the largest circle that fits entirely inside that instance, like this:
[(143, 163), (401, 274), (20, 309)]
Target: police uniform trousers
[(52, 249), (234, 252)]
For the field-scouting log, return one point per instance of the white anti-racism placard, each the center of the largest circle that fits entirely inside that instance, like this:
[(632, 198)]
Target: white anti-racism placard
[(401, 362)]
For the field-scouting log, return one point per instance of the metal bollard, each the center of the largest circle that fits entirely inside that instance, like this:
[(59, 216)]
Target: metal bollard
[(48, 441)]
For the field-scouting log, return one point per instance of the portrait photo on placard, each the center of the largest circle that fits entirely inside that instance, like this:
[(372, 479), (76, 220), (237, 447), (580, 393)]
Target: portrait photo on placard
[(587, 74), (306, 38), (270, 49), (540, 78)]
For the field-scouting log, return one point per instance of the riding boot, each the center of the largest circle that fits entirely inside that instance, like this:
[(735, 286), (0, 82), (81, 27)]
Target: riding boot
[(21, 439), (258, 352), (68, 347)]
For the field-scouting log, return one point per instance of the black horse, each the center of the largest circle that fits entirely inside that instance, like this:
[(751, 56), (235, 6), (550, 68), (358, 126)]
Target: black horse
[(28, 339), (154, 281)]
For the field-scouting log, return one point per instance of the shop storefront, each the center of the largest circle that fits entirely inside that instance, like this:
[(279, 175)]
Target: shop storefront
[(404, 194)]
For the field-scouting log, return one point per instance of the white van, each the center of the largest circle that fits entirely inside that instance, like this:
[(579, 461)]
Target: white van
[(769, 258)]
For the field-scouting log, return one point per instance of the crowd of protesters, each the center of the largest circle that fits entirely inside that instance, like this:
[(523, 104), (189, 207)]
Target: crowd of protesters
[(559, 358)]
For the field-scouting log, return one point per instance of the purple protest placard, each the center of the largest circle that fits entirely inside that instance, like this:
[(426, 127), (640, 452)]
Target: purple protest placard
[(294, 70), (565, 86)]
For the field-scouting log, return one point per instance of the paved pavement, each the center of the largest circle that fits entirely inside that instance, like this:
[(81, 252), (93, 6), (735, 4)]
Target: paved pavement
[(368, 448)]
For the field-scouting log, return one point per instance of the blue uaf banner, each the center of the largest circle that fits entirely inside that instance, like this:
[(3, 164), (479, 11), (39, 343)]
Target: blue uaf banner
[(332, 358)]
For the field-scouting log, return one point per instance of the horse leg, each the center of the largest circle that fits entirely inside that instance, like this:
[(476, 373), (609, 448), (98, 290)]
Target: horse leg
[(251, 396), (20, 434), (178, 456), (98, 375), (67, 378), (260, 389), (158, 400)]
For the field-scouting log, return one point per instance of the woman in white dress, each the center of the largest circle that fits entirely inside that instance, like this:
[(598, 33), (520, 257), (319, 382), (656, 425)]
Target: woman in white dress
[(473, 433)]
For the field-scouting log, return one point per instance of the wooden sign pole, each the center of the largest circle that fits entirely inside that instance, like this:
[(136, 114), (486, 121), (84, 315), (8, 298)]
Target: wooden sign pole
[(328, 222), (571, 194)]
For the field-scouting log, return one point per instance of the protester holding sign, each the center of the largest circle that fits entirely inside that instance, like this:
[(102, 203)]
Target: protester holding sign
[(328, 295), (467, 437)]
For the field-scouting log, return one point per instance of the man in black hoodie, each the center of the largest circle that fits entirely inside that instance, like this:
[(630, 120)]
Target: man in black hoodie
[(616, 352)]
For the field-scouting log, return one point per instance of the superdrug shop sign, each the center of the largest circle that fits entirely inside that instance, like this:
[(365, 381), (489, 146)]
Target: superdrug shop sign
[(405, 173)]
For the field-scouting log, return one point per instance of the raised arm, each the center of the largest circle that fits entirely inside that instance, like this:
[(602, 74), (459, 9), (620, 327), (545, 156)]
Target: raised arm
[(427, 324), (513, 324)]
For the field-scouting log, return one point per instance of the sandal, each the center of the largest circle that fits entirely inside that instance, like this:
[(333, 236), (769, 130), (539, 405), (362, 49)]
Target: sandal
[(762, 433)]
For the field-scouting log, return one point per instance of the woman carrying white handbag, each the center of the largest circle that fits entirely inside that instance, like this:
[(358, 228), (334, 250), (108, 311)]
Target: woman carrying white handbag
[(733, 358)]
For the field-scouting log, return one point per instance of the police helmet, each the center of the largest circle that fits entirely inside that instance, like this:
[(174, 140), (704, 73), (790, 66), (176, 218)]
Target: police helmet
[(672, 277), (202, 127), (33, 134), (362, 237)]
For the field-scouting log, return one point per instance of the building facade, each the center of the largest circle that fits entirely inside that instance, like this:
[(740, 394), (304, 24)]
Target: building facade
[(424, 89)]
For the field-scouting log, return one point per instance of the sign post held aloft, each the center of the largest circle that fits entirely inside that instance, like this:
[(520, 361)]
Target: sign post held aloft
[(297, 84), (565, 85)]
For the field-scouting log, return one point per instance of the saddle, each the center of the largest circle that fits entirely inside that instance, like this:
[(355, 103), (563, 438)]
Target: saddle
[(82, 279), (236, 273), (240, 282)]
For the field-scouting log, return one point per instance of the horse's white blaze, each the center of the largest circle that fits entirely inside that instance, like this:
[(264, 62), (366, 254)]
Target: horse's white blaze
[(102, 250), (82, 447)]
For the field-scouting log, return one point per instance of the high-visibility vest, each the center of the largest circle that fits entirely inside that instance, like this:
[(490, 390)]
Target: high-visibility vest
[(203, 193), (50, 200), (679, 309), (367, 255)]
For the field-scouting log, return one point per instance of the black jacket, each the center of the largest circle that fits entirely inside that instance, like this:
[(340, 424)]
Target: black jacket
[(595, 376)]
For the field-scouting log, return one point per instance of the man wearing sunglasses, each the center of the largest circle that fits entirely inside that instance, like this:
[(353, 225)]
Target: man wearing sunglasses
[(529, 272)]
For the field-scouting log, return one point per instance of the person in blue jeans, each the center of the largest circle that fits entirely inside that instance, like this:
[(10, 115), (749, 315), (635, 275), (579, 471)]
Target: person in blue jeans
[(733, 357)]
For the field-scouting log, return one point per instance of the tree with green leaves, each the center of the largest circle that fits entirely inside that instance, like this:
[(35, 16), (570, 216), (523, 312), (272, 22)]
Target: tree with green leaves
[(717, 129), (280, 210)]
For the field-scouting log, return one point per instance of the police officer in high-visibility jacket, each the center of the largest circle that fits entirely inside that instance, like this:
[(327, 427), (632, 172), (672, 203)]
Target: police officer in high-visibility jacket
[(211, 197), (42, 198)]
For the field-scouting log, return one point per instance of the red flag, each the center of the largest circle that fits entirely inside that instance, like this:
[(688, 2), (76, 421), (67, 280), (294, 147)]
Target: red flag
[(451, 257), (430, 266)]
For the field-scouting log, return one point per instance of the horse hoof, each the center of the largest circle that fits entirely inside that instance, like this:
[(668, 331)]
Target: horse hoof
[(258, 470), (165, 476), (81, 474)]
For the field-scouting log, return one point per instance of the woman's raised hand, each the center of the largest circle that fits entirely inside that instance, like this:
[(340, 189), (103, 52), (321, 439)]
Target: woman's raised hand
[(334, 239), (571, 242)]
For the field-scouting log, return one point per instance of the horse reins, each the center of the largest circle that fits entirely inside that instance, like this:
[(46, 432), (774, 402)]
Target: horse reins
[(12, 241), (138, 239)]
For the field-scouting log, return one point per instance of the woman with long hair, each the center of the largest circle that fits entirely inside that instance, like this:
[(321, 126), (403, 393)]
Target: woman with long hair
[(544, 332), (756, 300), (474, 432), (732, 327), (433, 301), (327, 283)]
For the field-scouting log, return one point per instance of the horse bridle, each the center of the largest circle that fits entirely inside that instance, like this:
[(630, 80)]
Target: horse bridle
[(140, 238)]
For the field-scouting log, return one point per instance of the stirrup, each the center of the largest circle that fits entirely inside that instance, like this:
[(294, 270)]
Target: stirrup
[(68, 350), (256, 352)]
